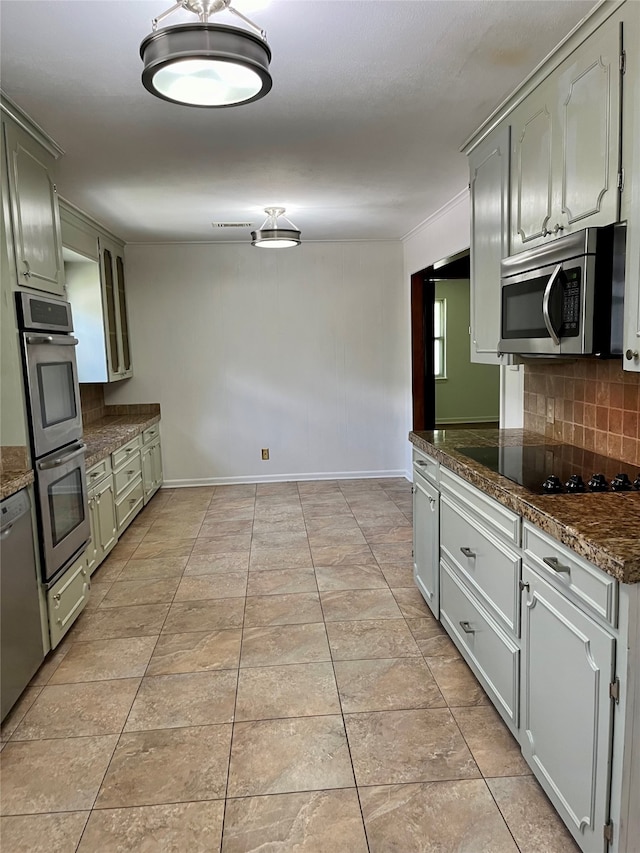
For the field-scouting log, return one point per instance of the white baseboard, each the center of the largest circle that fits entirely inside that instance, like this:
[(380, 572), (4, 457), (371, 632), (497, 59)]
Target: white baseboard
[(284, 478)]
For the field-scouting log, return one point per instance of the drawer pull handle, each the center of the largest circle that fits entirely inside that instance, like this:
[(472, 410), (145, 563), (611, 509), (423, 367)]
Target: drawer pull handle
[(466, 627), (468, 552), (131, 471), (95, 474), (523, 585), (555, 564)]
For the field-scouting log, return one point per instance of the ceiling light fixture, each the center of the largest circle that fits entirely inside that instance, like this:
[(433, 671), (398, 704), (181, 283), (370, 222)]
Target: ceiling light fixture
[(206, 65), (272, 235)]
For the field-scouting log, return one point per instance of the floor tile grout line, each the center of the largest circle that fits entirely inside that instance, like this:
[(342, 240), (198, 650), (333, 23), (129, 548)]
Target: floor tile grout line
[(235, 703)]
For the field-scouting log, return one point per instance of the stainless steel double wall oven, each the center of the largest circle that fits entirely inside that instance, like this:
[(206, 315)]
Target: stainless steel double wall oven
[(55, 423)]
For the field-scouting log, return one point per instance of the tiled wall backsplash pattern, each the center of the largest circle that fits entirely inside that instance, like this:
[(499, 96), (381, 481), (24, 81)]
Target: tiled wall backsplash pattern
[(591, 404), (92, 403), (94, 408)]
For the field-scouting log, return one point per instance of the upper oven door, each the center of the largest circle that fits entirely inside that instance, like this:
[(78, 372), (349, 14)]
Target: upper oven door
[(53, 390), (543, 310)]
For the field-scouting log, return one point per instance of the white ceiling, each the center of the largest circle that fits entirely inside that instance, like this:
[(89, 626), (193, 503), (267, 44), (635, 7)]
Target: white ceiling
[(358, 138)]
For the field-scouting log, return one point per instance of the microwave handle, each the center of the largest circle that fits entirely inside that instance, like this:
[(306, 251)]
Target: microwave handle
[(546, 298)]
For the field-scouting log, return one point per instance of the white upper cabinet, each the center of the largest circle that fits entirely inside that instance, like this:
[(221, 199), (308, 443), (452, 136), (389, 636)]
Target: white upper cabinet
[(34, 212), (95, 279), (489, 184), (565, 144)]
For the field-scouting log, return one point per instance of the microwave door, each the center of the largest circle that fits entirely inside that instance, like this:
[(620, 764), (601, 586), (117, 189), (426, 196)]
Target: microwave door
[(531, 309)]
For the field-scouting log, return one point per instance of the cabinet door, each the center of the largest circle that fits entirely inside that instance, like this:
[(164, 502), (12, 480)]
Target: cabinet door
[(426, 542), (107, 529), (489, 182), (123, 322), (35, 215), (566, 723), (587, 113), (110, 299), (148, 477), (91, 554), (531, 164), (157, 464)]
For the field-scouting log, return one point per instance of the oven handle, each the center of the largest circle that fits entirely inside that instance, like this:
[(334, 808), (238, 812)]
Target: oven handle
[(545, 305), (75, 450), (58, 340)]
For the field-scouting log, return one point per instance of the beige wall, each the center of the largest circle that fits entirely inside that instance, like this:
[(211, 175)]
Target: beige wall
[(302, 351)]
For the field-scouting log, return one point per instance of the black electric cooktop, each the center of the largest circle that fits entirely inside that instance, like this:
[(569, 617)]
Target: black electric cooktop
[(557, 468)]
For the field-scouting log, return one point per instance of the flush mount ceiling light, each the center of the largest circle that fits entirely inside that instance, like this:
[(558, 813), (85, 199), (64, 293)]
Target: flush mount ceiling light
[(276, 234), (206, 65)]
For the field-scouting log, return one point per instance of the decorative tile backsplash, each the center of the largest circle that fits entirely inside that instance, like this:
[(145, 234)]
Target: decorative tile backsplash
[(91, 403), (589, 403)]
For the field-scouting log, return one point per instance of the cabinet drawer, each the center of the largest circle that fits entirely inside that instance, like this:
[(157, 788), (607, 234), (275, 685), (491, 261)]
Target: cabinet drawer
[(98, 472), (150, 433), (128, 505), (426, 466), (66, 599), (489, 566), (128, 473), (590, 586), (494, 658), (502, 520), (120, 456)]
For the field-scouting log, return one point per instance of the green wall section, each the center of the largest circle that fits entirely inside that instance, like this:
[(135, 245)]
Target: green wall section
[(471, 392)]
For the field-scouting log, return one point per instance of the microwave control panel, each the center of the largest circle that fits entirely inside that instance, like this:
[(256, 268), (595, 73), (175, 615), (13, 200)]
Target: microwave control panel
[(571, 303)]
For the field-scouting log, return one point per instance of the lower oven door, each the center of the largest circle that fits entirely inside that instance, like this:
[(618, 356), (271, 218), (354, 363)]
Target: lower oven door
[(63, 508)]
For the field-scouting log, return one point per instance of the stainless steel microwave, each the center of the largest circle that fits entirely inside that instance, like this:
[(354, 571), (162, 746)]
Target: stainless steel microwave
[(565, 298)]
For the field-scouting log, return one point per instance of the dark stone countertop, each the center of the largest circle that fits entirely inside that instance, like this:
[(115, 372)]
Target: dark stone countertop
[(104, 436), (603, 528)]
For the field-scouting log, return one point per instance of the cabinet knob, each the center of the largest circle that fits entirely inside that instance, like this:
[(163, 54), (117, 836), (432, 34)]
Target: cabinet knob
[(27, 271), (630, 354), (523, 585), (545, 232), (557, 228)]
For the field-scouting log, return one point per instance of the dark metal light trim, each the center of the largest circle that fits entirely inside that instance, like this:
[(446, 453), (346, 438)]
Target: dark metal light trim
[(266, 235), (205, 41)]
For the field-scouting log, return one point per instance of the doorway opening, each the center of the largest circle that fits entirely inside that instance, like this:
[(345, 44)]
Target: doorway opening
[(448, 390)]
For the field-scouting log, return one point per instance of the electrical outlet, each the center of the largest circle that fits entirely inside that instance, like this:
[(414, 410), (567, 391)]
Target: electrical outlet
[(265, 453), (550, 411)]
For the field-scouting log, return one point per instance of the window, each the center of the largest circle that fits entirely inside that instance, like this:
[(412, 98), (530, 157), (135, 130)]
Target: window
[(439, 342)]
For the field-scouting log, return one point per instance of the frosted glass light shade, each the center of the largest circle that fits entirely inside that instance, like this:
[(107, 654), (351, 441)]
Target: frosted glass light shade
[(206, 65)]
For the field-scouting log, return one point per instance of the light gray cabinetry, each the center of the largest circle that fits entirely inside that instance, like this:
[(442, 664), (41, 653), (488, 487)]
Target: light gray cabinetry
[(127, 477), (102, 514), (426, 535), (115, 311), (479, 594), (568, 664), (151, 462), (489, 185), (67, 598), (565, 144), (35, 217), (95, 278)]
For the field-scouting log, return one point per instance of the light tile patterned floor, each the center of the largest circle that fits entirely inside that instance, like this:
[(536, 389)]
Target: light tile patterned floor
[(257, 671)]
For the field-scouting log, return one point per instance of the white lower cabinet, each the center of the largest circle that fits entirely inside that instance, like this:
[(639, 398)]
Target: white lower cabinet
[(127, 478), (102, 515), (491, 653), (151, 462), (554, 641), (67, 598), (426, 540), (568, 663)]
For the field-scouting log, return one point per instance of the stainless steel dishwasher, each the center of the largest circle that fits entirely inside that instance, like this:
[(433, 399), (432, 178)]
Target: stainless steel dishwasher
[(21, 646)]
